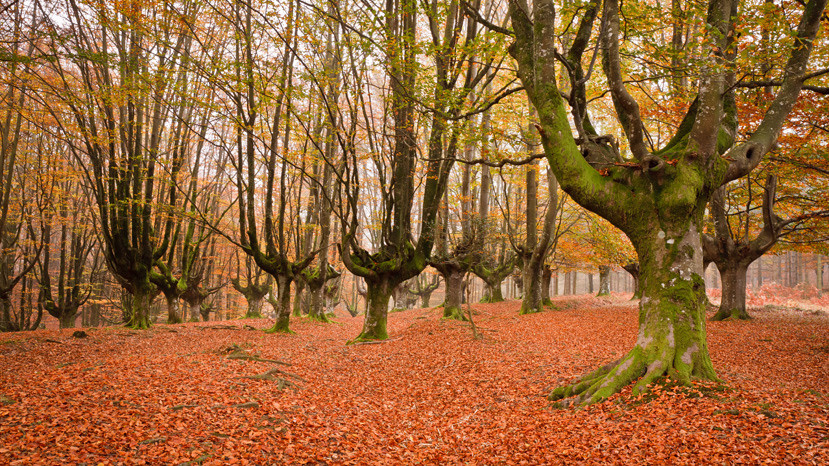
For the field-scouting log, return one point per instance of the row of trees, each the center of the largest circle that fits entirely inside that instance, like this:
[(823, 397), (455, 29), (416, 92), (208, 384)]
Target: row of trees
[(183, 147)]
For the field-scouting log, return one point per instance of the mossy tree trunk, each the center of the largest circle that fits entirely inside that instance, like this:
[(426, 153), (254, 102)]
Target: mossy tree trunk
[(535, 250), (139, 314), (375, 323), (68, 320), (299, 286), (493, 278), (659, 205), (425, 287), (173, 315), (400, 257), (283, 311), (452, 305)]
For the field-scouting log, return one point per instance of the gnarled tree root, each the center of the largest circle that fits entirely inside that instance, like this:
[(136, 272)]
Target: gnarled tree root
[(731, 314), (637, 364)]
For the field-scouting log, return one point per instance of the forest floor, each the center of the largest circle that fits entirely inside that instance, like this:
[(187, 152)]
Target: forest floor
[(430, 395)]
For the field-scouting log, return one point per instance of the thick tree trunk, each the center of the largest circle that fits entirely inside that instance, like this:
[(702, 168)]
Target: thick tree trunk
[(5, 313), (531, 302), (254, 306), (283, 311), (317, 308), (67, 318), (633, 269), (374, 327), (454, 294), (672, 339), (195, 311), (173, 316), (604, 280), (492, 292), (139, 316), (733, 303), (300, 289)]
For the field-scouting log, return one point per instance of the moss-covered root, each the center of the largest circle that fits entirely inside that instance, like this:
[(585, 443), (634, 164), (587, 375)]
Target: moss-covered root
[(138, 324), (320, 317), (527, 309), (731, 314), (371, 336), (454, 313), (280, 327), (645, 366)]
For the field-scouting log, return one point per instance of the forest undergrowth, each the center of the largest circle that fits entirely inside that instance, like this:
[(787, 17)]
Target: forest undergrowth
[(222, 393)]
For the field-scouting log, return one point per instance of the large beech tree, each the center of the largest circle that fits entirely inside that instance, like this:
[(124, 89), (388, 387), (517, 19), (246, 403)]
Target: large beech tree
[(658, 199), (458, 71), (732, 248)]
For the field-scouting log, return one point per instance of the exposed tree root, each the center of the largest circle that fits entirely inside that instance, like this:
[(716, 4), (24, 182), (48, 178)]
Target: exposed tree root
[(454, 313), (280, 328), (282, 381), (358, 341), (237, 352), (639, 366), (731, 314), (254, 357)]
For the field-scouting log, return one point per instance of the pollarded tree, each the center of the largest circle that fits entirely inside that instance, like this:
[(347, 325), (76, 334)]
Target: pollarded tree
[(732, 248), (457, 73), (423, 286), (16, 96), (66, 286), (271, 250), (254, 287), (658, 200), (497, 262), (116, 79)]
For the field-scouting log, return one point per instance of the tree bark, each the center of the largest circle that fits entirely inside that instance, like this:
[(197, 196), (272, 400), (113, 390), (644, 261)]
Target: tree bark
[(546, 279), (454, 294), (283, 312), (139, 314), (604, 280), (733, 304), (173, 316), (374, 325)]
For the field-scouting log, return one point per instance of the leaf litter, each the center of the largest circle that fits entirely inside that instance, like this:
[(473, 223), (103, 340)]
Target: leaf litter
[(432, 395)]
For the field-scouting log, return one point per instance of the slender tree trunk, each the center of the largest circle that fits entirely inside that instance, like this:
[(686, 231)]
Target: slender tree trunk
[(546, 279), (733, 303), (759, 273)]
